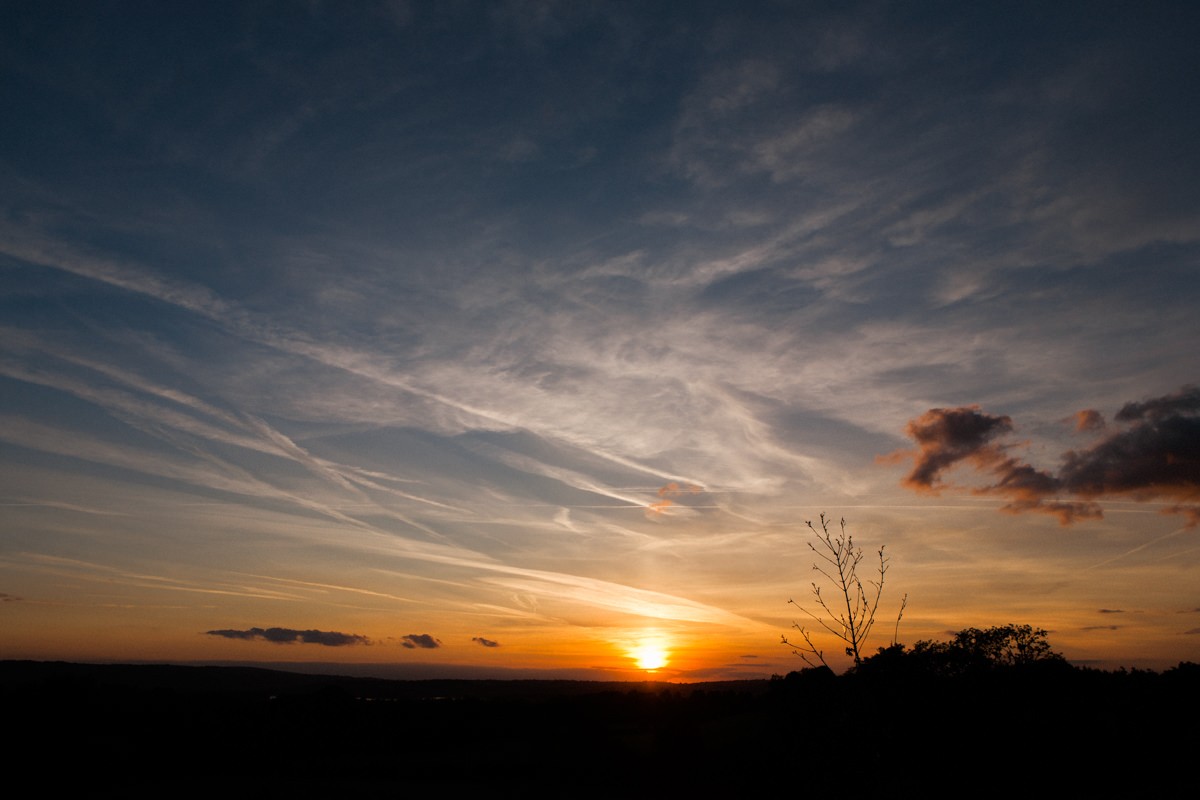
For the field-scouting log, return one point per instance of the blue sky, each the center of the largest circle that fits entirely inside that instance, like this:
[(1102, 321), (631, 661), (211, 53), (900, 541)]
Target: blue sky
[(402, 320)]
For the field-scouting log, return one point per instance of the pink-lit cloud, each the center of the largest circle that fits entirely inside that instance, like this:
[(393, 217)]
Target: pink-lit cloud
[(1088, 420), (659, 507), (672, 489)]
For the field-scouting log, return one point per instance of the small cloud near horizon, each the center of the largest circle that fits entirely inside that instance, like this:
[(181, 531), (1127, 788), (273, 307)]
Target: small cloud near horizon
[(485, 642), (293, 636), (422, 640)]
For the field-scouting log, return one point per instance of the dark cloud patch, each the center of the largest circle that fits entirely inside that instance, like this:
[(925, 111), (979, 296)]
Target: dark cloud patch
[(10, 598), (485, 642), (1112, 611), (1101, 628), (1185, 401), (1157, 456), (1031, 489), (1192, 631), (946, 436), (747, 656), (422, 640), (1154, 456), (292, 636)]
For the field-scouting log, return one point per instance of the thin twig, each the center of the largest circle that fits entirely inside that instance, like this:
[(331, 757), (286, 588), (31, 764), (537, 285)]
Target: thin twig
[(899, 616)]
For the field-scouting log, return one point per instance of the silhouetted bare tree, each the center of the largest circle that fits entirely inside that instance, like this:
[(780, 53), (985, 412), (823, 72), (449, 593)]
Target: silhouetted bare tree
[(853, 624)]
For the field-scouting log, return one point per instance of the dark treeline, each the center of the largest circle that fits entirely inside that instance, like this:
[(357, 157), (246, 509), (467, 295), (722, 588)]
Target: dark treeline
[(1041, 726)]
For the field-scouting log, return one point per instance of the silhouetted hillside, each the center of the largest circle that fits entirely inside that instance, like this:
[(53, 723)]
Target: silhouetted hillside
[(142, 730)]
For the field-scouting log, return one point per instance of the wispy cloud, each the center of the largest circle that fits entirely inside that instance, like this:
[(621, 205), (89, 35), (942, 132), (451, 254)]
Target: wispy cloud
[(614, 597), (78, 568)]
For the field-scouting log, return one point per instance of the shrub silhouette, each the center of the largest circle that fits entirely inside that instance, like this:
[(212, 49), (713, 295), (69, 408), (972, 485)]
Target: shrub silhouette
[(971, 653)]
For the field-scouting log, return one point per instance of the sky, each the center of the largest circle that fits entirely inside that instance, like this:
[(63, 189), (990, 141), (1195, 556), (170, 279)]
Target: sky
[(523, 338)]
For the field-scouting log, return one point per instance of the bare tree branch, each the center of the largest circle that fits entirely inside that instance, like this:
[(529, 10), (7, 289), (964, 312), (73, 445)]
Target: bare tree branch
[(854, 624)]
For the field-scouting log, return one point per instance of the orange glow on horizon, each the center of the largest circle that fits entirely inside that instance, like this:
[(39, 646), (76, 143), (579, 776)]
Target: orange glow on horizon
[(651, 654)]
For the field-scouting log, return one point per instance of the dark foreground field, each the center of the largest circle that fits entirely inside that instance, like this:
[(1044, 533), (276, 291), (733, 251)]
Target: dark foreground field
[(125, 731)]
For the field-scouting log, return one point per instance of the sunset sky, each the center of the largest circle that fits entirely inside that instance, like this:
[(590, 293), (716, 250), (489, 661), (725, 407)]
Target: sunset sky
[(521, 339)]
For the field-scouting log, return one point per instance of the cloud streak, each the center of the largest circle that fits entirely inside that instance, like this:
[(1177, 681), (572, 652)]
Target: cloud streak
[(293, 636)]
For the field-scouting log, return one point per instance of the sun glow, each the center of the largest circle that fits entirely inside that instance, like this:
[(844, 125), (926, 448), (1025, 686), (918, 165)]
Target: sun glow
[(650, 655)]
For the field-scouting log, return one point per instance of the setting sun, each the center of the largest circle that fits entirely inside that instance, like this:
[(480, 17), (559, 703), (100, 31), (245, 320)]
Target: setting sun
[(650, 656)]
